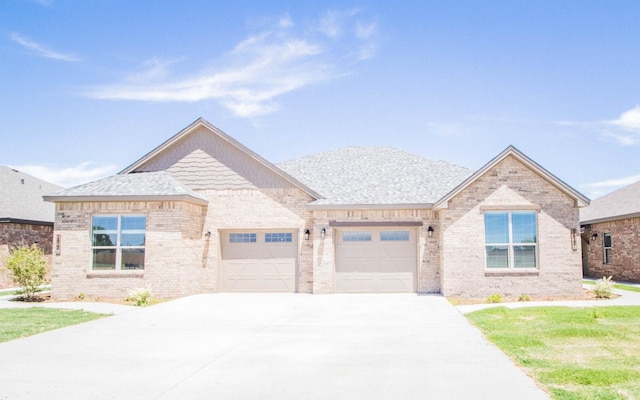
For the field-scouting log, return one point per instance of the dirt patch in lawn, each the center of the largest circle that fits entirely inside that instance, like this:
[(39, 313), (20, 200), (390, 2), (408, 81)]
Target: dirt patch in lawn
[(586, 295)]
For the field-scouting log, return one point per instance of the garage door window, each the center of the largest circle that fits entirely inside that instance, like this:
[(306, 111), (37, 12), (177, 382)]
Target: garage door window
[(118, 241), (280, 237), (394, 236), (355, 236), (242, 237)]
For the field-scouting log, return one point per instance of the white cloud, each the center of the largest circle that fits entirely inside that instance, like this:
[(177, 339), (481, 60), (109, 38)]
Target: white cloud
[(69, 176), (629, 120), (40, 50), (255, 72), (365, 31), (597, 189)]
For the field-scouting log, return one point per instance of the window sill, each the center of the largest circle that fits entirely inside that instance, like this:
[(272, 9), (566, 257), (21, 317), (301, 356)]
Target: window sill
[(115, 274), (512, 272)]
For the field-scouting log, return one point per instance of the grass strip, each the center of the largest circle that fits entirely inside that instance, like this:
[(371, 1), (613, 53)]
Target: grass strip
[(617, 286), (20, 322), (574, 353)]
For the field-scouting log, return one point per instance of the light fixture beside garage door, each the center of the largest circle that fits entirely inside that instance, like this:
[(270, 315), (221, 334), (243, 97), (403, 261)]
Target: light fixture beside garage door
[(430, 231), (306, 234), (323, 233)]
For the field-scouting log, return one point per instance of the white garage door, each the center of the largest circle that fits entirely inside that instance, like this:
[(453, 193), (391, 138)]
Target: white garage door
[(259, 261), (376, 260)]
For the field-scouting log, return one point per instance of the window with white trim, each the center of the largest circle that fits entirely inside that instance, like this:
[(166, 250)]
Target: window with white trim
[(242, 237), (118, 242), (608, 248), (511, 239), (394, 236), (278, 237), (356, 236)]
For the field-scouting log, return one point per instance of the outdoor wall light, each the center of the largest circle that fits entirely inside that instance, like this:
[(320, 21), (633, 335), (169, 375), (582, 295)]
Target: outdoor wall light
[(208, 234), (306, 234), (430, 231), (594, 236), (323, 233)]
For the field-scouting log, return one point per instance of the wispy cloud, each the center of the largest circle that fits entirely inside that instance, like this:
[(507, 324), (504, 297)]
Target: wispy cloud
[(69, 176), (40, 50), (624, 130), (597, 189), (249, 78)]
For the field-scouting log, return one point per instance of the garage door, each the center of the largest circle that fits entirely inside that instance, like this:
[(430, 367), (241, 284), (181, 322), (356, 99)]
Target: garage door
[(259, 261), (376, 260)]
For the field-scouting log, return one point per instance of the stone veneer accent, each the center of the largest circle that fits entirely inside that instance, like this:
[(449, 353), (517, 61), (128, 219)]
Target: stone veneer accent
[(510, 185), (22, 234), (625, 254), (324, 258)]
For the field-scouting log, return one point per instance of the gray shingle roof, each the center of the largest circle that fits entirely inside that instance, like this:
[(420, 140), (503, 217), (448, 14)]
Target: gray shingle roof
[(138, 185), (21, 196), (615, 205), (375, 175)]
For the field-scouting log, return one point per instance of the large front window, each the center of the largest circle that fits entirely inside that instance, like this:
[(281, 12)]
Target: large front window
[(118, 241), (511, 239)]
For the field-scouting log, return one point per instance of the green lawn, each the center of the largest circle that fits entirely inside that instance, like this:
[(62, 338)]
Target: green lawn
[(575, 353), (20, 322), (617, 286)]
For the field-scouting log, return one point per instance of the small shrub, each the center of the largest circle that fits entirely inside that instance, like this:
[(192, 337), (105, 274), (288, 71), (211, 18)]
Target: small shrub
[(494, 298), (604, 287), (140, 296), (524, 297), (81, 297), (29, 269)]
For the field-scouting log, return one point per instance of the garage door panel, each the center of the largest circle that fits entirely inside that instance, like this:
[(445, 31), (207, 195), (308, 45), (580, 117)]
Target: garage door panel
[(375, 265), (258, 265)]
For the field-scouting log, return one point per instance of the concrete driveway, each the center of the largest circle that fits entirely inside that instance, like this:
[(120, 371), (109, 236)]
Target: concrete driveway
[(267, 346)]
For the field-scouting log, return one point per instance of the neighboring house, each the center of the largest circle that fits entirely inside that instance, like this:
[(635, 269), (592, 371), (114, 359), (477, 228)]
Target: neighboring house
[(611, 235), (203, 213), (25, 218)]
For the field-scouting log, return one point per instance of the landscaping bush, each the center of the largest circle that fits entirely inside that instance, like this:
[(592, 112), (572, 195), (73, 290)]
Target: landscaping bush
[(524, 297), (604, 287), (29, 269), (494, 298), (140, 296)]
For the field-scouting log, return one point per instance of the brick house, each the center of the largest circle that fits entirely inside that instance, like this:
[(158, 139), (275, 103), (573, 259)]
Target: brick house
[(611, 235), (203, 213), (25, 218)]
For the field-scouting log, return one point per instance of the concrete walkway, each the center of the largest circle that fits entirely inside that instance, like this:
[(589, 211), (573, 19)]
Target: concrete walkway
[(267, 346)]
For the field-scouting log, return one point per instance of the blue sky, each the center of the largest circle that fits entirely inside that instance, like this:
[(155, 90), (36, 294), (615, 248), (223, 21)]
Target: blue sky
[(88, 87)]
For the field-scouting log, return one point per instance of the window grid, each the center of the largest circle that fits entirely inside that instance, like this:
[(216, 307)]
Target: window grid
[(242, 237), (511, 239), (118, 242), (356, 236), (394, 236), (278, 237), (608, 248)]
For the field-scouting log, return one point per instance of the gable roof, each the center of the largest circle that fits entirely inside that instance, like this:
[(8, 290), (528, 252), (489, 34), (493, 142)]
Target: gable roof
[(580, 199), (159, 185), (201, 122), (375, 177), (21, 197), (621, 204)]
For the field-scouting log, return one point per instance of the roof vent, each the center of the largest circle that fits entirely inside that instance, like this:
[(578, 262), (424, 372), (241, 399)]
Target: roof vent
[(22, 181)]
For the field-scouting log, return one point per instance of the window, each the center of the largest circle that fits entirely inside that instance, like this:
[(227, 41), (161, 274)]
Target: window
[(278, 237), (606, 238), (242, 237), (356, 236), (387, 236), (511, 239), (118, 242)]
